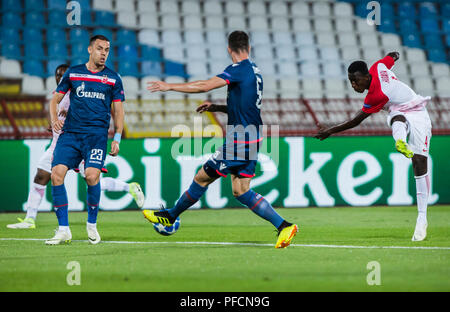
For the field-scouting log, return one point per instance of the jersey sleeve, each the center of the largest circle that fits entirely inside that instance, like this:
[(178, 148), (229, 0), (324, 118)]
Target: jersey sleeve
[(231, 74), (388, 61), (118, 93), (65, 84)]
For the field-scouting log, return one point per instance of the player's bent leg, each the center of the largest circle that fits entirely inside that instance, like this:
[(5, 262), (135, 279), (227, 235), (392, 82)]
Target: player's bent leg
[(190, 197), (261, 207), (93, 200), (423, 189)]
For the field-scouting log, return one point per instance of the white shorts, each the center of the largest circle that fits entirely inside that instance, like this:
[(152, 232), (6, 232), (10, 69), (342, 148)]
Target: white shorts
[(419, 130), (45, 162)]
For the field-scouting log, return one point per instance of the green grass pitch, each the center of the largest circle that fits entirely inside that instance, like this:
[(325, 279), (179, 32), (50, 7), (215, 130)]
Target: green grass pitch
[(133, 257)]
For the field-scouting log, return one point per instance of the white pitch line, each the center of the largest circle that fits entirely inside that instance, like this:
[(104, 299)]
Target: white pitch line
[(246, 244)]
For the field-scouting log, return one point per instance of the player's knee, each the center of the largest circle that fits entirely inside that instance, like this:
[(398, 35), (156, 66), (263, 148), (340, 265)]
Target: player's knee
[(42, 177), (420, 165), (57, 179), (92, 178), (398, 118)]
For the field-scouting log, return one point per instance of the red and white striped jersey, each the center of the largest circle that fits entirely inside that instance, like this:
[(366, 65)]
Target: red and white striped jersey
[(388, 93)]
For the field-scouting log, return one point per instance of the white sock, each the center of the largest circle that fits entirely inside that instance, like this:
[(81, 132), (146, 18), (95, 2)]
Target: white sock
[(423, 189), (399, 130), (35, 196), (114, 185), (92, 225), (64, 228)]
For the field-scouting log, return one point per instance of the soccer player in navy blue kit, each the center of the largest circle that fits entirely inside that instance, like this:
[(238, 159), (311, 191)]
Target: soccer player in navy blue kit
[(84, 133), (238, 156)]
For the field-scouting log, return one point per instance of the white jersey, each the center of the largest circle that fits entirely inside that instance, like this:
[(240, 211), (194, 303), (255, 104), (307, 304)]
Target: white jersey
[(390, 94), (62, 106)]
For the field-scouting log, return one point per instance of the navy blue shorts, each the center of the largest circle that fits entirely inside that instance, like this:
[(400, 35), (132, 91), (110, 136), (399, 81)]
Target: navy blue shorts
[(216, 166), (72, 148)]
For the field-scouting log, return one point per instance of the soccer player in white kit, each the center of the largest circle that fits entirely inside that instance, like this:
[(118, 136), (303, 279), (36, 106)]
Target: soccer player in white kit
[(44, 170), (407, 114)]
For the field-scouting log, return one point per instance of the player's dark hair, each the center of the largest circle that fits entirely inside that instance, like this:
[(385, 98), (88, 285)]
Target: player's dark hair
[(65, 66), (238, 41), (99, 37), (358, 66)]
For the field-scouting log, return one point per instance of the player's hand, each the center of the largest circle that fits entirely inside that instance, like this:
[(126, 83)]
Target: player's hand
[(57, 125), (207, 106), (322, 134), (114, 148), (154, 86), (394, 55), (62, 113)]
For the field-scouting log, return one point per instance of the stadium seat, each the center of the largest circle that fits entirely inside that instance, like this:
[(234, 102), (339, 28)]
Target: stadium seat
[(11, 20), (322, 9), (104, 19), (256, 8), (192, 37), (442, 86), (387, 26), (429, 26), (171, 21), (81, 60), (32, 34), (52, 65), (78, 50), (12, 51), (57, 50), (279, 8), (125, 36), (412, 40), (219, 53), (124, 6), (427, 10), (10, 68), (234, 7), (263, 52), (415, 55), (11, 6), (259, 37), (54, 34), (351, 53), (446, 25), (87, 19), (173, 53), (148, 20), (391, 41), (342, 9), (304, 38), (127, 52), (128, 68), (322, 25), (192, 22), (127, 19), (32, 4), (216, 37), (236, 22), (146, 6), (285, 52), (57, 18), (196, 52), (310, 69), (190, 7), (445, 9), (33, 85), (102, 5), (174, 68), (78, 35), (9, 35), (150, 53), (334, 88), (418, 69), (332, 69), (151, 68), (437, 55), (196, 68), (440, 70), (149, 37), (407, 26), (369, 40), (287, 69), (423, 86), (104, 32), (406, 10), (50, 85), (326, 38), (34, 50), (282, 37), (258, 23), (307, 53), (311, 88), (329, 53), (130, 84), (343, 25), (171, 37), (34, 19), (279, 23), (34, 68)]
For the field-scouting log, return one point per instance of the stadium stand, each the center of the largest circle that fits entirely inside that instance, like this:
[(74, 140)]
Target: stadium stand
[(302, 47)]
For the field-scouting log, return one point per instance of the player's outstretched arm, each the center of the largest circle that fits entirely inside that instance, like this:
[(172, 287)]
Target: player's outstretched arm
[(198, 86), (355, 121), (118, 116), (207, 106), (56, 124)]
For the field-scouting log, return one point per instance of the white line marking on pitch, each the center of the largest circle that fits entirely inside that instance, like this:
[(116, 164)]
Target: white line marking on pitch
[(245, 244)]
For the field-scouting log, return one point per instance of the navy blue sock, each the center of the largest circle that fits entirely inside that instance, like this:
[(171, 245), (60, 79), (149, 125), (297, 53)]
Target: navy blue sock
[(190, 197), (93, 198), (60, 204), (261, 207)]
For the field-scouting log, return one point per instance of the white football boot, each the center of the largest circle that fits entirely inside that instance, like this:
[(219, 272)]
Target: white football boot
[(93, 236), (136, 192), (61, 237), (420, 231), (27, 223)]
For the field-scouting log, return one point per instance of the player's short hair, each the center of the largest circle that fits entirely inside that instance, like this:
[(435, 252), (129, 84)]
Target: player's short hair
[(65, 66), (99, 37), (358, 66), (238, 41)]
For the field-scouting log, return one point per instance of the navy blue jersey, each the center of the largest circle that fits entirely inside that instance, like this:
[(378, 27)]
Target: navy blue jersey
[(90, 98), (245, 87)]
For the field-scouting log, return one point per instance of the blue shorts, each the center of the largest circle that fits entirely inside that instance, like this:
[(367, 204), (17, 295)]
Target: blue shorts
[(216, 166), (72, 148)]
